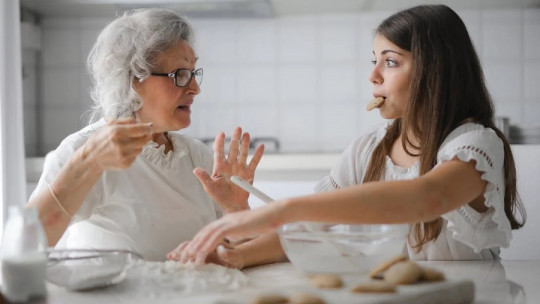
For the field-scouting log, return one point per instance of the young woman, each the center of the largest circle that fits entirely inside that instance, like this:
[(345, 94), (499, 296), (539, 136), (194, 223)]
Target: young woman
[(442, 166)]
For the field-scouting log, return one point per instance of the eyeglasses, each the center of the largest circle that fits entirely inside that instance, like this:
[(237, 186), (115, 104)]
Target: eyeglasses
[(182, 77)]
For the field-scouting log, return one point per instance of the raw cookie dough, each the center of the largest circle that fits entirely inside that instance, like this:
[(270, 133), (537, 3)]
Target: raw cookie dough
[(430, 274), (405, 272), (379, 269), (326, 281), (375, 287), (305, 298), (270, 299)]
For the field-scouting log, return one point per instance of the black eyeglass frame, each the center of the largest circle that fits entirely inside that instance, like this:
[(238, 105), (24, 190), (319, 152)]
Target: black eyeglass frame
[(174, 76)]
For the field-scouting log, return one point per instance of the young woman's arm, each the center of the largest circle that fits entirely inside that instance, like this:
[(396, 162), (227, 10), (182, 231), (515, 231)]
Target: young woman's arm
[(265, 249), (443, 189)]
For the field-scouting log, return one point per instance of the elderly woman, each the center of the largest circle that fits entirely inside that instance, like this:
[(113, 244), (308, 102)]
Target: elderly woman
[(126, 181)]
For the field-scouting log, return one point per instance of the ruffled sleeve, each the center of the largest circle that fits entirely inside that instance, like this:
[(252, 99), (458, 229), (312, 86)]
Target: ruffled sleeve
[(491, 228), (351, 167)]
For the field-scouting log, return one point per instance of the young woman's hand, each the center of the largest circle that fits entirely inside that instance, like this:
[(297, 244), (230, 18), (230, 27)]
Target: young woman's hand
[(219, 186), (116, 145), (236, 225)]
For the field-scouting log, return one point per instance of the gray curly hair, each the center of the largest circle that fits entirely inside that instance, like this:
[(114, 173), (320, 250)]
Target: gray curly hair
[(127, 49)]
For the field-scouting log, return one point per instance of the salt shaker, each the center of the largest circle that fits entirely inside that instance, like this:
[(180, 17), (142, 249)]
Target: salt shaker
[(23, 255)]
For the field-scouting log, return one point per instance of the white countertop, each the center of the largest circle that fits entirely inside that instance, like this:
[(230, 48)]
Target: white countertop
[(494, 282)]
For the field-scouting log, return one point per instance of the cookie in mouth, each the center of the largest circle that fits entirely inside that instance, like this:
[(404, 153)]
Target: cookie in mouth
[(375, 103)]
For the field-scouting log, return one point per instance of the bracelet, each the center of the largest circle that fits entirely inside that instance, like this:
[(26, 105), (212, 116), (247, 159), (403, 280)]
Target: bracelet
[(58, 201)]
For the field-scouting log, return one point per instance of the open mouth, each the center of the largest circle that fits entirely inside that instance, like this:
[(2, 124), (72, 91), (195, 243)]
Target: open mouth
[(183, 107)]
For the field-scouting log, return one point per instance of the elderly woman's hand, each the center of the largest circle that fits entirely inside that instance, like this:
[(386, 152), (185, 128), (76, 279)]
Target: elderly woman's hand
[(116, 145), (225, 254), (219, 186), (237, 225)]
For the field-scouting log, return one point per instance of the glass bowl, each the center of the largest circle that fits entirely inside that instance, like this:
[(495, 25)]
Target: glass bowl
[(340, 248), (84, 269)]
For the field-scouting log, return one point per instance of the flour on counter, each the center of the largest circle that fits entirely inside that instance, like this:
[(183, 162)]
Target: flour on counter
[(157, 279)]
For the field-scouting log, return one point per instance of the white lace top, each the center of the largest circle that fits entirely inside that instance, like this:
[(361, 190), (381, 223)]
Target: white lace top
[(151, 207), (466, 233)]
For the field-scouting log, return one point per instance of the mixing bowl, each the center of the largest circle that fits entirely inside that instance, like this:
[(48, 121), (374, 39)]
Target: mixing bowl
[(84, 269), (340, 248)]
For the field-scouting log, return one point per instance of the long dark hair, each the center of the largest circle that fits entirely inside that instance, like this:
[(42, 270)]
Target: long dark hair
[(447, 89)]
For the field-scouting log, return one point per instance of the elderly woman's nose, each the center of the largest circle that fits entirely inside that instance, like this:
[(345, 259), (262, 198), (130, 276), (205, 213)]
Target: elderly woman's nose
[(194, 86)]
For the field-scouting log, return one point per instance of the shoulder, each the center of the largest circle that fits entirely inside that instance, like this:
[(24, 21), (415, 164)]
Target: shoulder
[(471, 131), (472, 139), (370, 139), (73, 141), (350, 168)]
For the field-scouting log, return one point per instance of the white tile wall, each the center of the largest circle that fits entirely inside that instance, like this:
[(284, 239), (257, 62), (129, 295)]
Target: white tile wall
[(531, 42), (302, 79), (61, 46), (532, 76), (298, 39), (30, 130), (257, 84), (256, 41), (30, 83)]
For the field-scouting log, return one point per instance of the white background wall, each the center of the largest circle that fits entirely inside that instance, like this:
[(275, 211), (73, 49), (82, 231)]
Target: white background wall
[(301, 79)]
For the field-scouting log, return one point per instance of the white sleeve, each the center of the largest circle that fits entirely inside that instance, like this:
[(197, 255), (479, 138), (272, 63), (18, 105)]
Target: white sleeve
[(350, 168), (54, 161), (491, 228)]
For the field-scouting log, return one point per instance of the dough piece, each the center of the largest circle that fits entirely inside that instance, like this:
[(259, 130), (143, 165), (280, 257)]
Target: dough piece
[(326, 281), (379, 269), (406, 272), (432, 275), (305, 298), (375, 287), (375, 103), (270, 299)]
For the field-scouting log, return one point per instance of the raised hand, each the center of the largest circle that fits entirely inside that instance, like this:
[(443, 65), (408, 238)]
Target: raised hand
[(116, 145), (229, 196)]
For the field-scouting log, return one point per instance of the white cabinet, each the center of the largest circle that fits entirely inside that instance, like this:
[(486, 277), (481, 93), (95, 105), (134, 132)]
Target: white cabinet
[(526, 242)]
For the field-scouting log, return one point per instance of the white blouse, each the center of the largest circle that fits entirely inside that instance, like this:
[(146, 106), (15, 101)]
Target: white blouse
[(150, 208), (466, 234)]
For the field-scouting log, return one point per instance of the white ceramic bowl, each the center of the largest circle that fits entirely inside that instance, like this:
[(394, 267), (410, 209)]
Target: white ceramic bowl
[(339, 248)]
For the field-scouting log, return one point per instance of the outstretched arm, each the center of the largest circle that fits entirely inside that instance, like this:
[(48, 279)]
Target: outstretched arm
[(441, 190)]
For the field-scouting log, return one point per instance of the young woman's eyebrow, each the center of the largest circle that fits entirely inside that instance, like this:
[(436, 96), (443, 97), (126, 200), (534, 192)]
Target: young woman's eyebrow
[(384, 52)]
